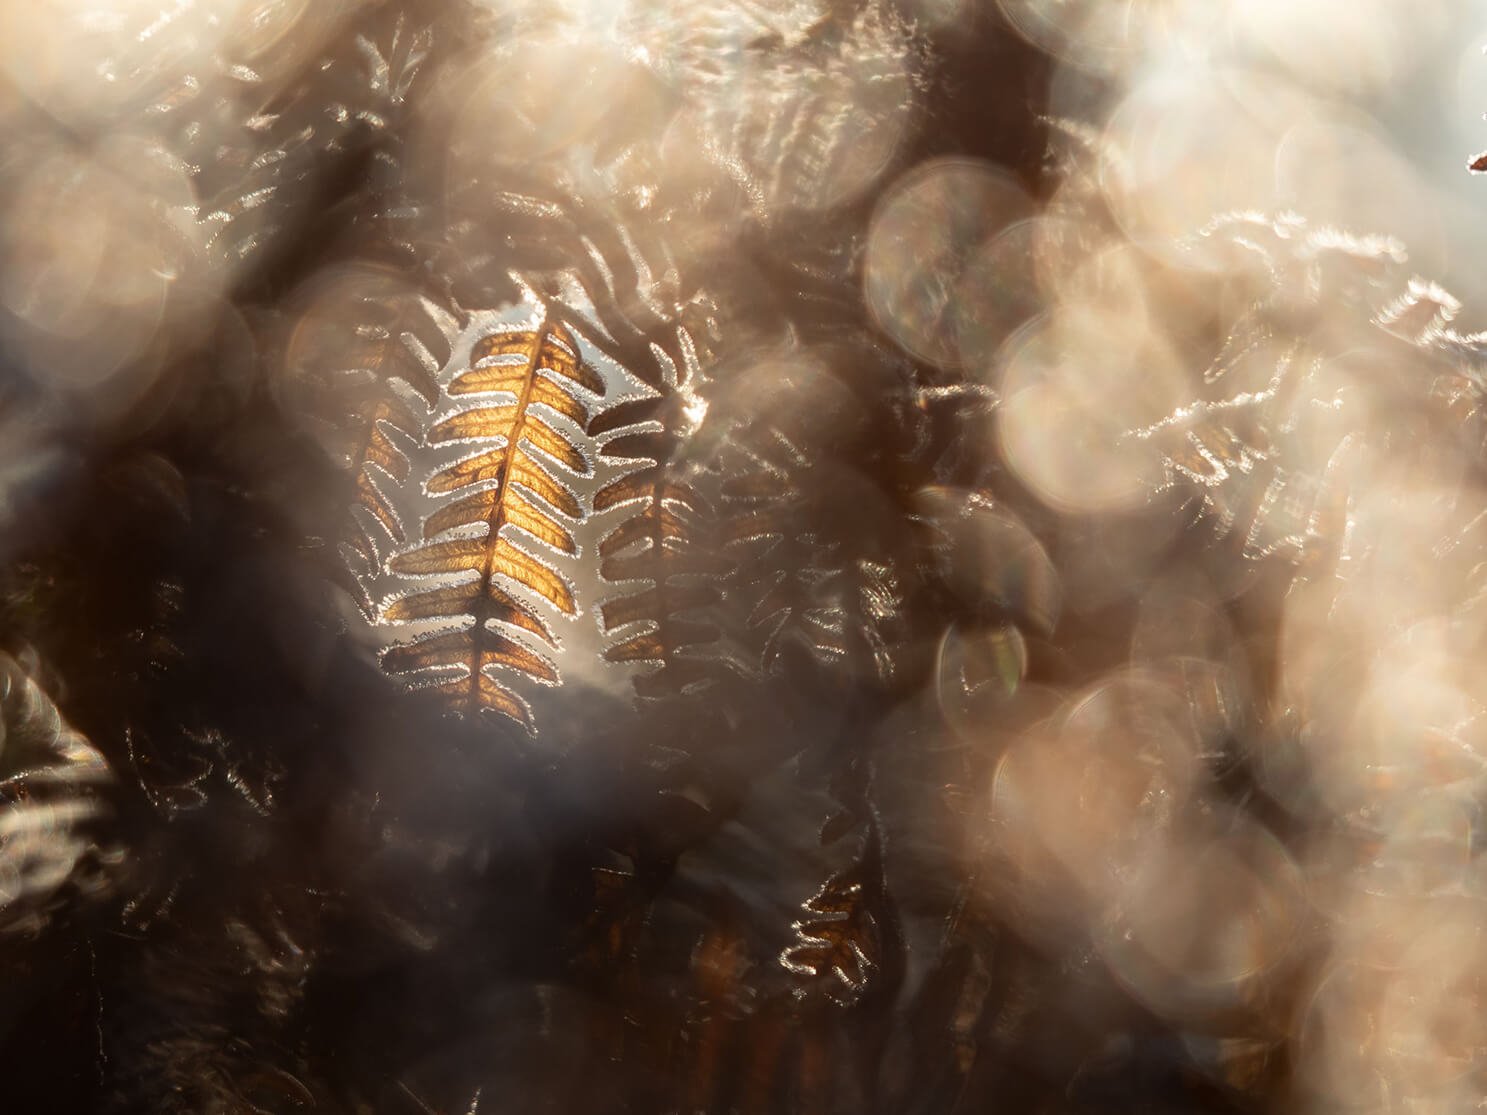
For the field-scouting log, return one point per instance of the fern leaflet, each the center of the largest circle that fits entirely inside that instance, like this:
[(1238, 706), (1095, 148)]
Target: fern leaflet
[(354, 355), (515, 483), (664, 543)]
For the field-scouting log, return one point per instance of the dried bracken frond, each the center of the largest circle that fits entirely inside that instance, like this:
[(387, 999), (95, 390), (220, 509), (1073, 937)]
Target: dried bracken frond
[(363, 361), (806, 566), (51, 805), (665, 543), (837, 940), (792, 580), (267, 177), (812, 108), (1269, 444), (516, 484)]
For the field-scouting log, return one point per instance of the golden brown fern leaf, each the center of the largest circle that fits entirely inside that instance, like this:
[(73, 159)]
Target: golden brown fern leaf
[(514, 481)]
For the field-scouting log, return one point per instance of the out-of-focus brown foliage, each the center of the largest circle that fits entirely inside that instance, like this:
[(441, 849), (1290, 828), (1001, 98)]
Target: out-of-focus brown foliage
[(797, 556)]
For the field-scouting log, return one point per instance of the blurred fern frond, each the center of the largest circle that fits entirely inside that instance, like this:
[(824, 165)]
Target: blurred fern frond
[(666, 543), (364, 358), (52, 787)]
